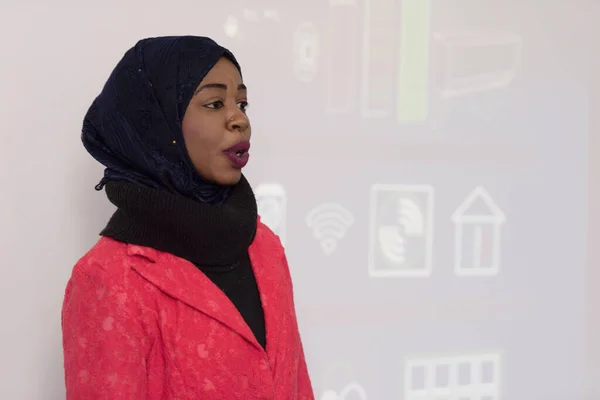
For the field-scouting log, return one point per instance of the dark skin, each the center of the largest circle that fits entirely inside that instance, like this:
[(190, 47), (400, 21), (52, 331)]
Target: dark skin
[(216, 120)]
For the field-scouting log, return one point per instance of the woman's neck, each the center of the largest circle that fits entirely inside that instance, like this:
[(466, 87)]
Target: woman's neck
[(204, 234)]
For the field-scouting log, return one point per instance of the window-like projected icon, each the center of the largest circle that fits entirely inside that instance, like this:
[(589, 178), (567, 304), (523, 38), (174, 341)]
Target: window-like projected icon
[(341, 56), (329, 223), (306, 51), (379, 58), (271, 201), (340, 383), (469, 63), (477, 224), (401, 231), (468, 377)]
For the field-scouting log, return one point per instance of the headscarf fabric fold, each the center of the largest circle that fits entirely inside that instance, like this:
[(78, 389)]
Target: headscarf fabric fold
[(134, 126)]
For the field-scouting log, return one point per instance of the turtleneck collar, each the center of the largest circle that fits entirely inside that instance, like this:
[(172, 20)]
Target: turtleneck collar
[(207, 235)]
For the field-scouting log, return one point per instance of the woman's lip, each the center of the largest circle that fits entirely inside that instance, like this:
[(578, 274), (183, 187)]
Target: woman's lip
[(240, 161), (243, 146)]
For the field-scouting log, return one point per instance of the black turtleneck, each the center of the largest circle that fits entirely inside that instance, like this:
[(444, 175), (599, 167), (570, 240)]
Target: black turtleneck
[(215, 238)]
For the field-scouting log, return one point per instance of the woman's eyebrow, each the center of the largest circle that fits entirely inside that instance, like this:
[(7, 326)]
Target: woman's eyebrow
[(241, 87)]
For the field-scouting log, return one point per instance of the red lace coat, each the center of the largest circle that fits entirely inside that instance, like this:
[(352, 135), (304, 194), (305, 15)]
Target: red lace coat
[(143, 324)]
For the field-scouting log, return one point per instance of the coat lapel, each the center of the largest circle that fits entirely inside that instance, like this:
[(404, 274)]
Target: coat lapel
[(266, 255), (181, 280)]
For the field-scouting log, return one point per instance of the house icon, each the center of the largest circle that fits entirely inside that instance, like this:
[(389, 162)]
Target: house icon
[(477, 222)]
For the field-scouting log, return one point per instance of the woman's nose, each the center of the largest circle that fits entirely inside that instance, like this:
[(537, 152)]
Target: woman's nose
[(238, 121)]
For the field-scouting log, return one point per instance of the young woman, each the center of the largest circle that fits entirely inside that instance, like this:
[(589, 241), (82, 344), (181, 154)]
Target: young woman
[(187, 295)]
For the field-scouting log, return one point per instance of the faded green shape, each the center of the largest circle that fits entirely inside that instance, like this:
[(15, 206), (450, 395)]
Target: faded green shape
[(413, 90)]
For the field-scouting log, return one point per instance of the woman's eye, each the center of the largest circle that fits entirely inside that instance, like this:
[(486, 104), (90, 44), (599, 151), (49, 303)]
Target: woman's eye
[(243, 105), (215, 105)]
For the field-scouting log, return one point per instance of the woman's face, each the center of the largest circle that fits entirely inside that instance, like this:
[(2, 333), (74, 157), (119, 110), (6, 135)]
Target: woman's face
[(215, 126)]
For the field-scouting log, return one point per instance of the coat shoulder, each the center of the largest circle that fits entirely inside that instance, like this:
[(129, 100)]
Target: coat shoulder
[(104, 280), (106, 256)]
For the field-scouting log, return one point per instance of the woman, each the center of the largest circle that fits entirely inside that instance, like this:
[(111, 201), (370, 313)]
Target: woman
[(187, 295)]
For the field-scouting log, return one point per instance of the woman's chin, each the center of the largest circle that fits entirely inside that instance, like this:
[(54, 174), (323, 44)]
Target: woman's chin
[(229, 178)]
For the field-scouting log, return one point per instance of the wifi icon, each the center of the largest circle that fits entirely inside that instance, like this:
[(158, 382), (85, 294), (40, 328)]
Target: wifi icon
[(329, 223)]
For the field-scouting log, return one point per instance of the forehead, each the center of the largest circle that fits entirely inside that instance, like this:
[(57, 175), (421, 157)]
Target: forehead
[(223, 71)]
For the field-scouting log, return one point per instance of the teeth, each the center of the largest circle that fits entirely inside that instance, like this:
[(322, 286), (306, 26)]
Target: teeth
[(239, 153)]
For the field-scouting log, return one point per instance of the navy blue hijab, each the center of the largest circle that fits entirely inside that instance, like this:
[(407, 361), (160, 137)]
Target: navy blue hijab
[(133, 127)]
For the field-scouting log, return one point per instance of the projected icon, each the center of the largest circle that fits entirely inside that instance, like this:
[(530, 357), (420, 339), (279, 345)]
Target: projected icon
[(477, 223), (329, 223), (271, 201), (231, 26), (476, 62), (378, 59), (340, 383), (272, 15), (401, 231), (306, 51), (352, 390), (238, 27), (467, 376), (413, 82), (341, 70)]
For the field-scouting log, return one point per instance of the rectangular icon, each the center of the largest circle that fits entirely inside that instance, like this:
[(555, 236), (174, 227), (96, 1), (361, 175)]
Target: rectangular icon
[(413, 84), (478, 225), (465, 376), (476, 62), (378, 60), (342, 57), (401, 231)]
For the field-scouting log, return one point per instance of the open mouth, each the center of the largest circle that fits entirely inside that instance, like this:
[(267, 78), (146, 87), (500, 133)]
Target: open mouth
[(239, 149), (238, 154)]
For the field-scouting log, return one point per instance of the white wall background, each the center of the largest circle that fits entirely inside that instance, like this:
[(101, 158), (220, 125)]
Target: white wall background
[(447, 95)]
